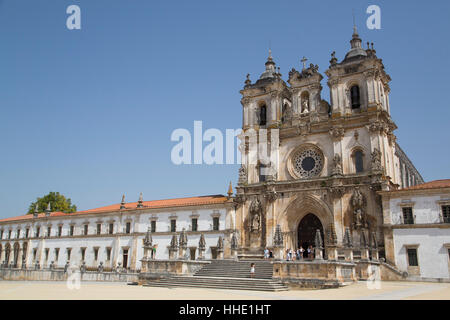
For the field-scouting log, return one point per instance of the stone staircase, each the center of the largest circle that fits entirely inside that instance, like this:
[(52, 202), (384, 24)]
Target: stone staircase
[(236, 269), (225, 274)]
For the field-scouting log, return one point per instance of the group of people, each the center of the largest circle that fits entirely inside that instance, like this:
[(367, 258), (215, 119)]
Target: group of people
[(292, 255), (300, 253)]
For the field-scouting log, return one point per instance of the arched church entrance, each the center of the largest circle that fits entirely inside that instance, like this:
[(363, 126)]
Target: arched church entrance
[(307, 231)]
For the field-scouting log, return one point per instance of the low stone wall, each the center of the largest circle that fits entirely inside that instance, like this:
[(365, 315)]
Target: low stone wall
[(60, 275), (316, 272), (159, 268), (367, 270)]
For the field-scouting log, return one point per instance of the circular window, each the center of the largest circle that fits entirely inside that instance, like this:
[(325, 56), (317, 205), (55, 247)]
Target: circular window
[(307, 162)]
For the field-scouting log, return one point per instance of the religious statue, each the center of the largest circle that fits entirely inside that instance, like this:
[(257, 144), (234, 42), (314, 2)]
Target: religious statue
[(305, 106), (376, 160), (255, 222), (358, 204), (337, 170)]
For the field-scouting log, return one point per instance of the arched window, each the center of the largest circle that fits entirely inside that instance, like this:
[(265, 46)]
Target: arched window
[(263, 115), (355, 97), (359, 163)]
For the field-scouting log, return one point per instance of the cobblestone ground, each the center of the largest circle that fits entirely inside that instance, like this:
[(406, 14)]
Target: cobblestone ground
[(96, 290)]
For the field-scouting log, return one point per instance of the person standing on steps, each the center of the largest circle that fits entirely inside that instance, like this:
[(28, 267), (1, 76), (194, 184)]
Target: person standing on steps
[(252, 270)]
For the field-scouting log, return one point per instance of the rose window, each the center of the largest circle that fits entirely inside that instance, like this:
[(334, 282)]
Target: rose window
[(307, 163)]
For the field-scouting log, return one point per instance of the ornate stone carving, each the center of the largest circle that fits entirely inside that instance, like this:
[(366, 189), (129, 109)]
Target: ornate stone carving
[(255, 214), (148, 241), (318, 240), (239, 198), (376, 127), (220, 243), (363, 241), (243, 178), (358, 204), (337, 165), (332, 237), (337, 133), (202, 242), (174, 243), (376, 160), (337, 191), (347, 241), (278, 237), (271, 196), (304, 128), (234, 241), (183, 239), (256, 221)]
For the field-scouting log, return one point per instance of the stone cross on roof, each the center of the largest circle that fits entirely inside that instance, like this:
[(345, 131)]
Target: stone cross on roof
[(304, 62)]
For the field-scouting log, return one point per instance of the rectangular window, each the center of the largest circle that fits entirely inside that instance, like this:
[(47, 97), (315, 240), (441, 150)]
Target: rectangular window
[(18, 234), (27, 233), (46, 253), (1, 234), (9, 234), (95, 254), (59, 231), (111, 228), (128, 227), (34, 254), (69, 251), (446, 214), (83, 253), (408, 215), (262, 173), (216, 223), (153, 226), (49, 231), (194, 224), (108, 254), (38, 231), (173, 225), (99, 228), (86, 230), (71, 230), (56, 254), (412, 257)]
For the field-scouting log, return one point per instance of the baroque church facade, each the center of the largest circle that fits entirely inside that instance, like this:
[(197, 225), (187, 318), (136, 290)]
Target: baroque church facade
[(332, 159)]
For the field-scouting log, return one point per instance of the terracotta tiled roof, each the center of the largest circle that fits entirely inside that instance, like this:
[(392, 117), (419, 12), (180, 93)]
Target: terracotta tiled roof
[(154, 204), (436, 184)]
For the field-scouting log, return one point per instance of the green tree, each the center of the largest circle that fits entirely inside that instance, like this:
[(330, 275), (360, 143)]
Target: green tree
[(58, 202)]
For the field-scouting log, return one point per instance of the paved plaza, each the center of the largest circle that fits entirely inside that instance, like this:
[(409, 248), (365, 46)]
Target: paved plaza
[(101, 290)]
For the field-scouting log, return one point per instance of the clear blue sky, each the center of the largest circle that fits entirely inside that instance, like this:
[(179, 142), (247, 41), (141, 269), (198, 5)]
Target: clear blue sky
[(89, 113)]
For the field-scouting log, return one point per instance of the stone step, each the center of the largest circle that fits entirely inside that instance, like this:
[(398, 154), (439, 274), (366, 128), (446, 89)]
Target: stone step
[(218, 283), (236, 269)]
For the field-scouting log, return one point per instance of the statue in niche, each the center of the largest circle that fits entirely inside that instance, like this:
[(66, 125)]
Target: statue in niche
[(358, 204), (337, 164), (255, 213), (376, 160), (305, 105), (255, 222)]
